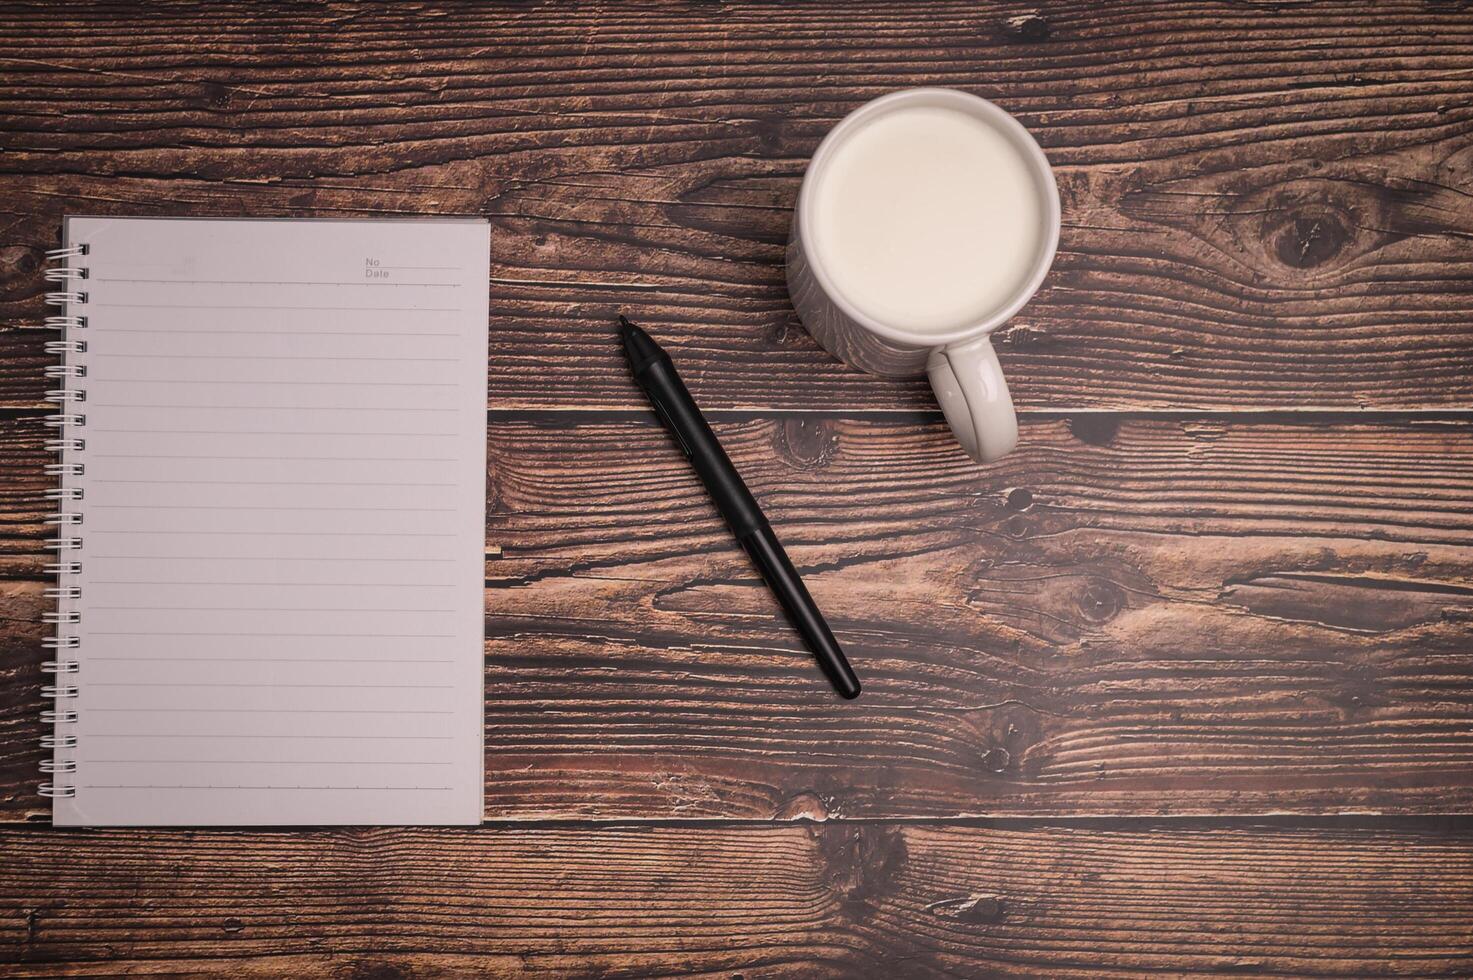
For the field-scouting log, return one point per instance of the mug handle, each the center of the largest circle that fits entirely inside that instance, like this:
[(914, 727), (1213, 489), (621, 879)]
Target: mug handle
[(974, 396)]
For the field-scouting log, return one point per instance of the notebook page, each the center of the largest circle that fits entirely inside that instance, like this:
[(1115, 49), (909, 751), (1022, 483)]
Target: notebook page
[(282, 559)]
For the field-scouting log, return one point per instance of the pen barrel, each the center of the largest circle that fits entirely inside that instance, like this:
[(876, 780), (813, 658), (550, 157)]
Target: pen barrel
[(672, 401), (678, 410), (772, 561)]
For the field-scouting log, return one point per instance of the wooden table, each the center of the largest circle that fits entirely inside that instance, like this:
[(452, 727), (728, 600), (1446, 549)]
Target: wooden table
[(1185, 684)]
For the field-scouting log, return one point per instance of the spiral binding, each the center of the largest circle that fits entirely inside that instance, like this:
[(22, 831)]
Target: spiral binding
[(67, 278)]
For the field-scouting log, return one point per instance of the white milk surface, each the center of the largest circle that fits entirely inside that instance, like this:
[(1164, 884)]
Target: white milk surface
[(927, 219)]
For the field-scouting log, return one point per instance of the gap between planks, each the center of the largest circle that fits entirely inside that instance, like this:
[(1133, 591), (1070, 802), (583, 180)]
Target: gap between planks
[(1248, 415), (1451, 822)]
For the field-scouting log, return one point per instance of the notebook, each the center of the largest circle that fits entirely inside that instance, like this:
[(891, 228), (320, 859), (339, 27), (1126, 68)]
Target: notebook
[(270, 521)]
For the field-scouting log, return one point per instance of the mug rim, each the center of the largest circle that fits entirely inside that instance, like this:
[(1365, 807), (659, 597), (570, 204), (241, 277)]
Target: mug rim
[(994, 115)]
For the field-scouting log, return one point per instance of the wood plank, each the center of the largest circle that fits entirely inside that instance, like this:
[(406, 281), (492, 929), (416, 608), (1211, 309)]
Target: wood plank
[(798, 901), (1265, 205), (1128, 615)]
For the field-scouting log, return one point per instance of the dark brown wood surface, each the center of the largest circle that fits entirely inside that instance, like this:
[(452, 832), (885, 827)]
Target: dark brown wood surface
[(1190, 616), (1179, 649), (1265, 204), (825, 900)]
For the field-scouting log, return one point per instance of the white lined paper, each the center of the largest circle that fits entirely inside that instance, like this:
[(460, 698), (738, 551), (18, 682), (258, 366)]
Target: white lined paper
[(282, 558)]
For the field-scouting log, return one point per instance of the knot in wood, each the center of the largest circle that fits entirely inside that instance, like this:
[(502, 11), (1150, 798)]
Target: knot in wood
[(214, 95), (787, 332), (1005, 732), (1100, 601), (997, 759), (807, 805), (806, 444), (862, 864), (18, 266), (1030, 26), (971, 908), (1305, 242), (373, 970), (769, 131)]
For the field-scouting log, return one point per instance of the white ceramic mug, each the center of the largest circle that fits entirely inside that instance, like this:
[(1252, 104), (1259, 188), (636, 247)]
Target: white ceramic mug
[(959, 359)]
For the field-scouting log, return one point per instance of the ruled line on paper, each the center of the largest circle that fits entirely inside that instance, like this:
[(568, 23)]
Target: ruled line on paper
[(289, 534), (277, 357), (275, 483), (353, 738), (291, 686), (276, 282), (336, 585), (214, 786), (90, 658), (280, 459), (246, 306), (279, 333), (426, 510), (205, 407), (294, 636), (269, 762), (273, 609), (270, 711), (220, 557), (257, 382), (264, 432)]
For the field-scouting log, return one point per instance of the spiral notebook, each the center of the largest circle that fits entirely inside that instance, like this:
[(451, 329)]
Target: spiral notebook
[(270, 521)]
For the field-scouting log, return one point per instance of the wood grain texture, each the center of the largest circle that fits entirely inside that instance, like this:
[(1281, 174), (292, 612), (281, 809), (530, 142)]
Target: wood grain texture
[(1214, 581), (1265, 205), (1187, 616), (803, 901)]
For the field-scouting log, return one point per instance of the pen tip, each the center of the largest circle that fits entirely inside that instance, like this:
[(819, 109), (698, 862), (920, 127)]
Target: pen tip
[(639, 346)]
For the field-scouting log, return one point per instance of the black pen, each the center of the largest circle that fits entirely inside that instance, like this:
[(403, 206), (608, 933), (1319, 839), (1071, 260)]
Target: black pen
[(656, 374)]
